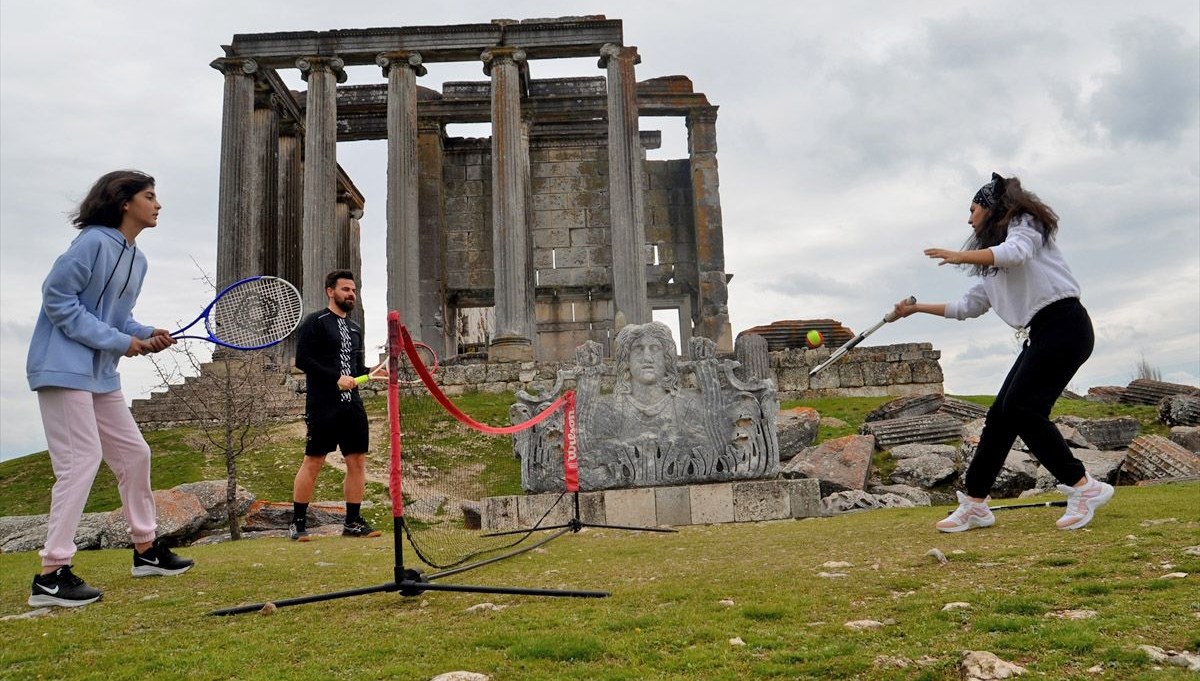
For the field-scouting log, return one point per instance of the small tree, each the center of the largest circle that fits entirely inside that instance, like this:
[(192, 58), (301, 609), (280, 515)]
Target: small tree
[(231, 400)]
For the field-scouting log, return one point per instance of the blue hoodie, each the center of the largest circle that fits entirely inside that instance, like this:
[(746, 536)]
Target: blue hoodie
[(86, 322)]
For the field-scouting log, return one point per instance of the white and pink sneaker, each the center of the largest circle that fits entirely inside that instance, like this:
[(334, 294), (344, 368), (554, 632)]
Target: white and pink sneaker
[(968, 515), (1082, 503)]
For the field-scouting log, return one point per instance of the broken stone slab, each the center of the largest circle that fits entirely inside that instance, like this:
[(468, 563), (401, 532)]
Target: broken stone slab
[(1179, 410), (1018, 474), (1187, 437), (905, 407), (1105, 393), (1153, 457), (797, 430), (183, 512), (929, 470), (1106, 434), (981, 665), (1146, 391), (263, 516), (858, 500), (919, 497), (927, 428), (914, 450), (842, 463), (1103, 466), (962, 410)]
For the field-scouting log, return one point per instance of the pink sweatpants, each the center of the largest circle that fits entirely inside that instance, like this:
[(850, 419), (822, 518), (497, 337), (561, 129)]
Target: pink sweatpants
[(82, 428)]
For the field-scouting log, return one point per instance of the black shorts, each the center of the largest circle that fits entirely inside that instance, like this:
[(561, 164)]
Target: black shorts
[(339, 426)]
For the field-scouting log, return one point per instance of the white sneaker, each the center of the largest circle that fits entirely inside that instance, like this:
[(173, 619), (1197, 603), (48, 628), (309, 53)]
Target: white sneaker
[(968, 515), (1082, 503)]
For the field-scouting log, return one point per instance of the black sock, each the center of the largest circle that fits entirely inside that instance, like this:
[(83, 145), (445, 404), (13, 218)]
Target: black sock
[(299, 514), (353, 512)]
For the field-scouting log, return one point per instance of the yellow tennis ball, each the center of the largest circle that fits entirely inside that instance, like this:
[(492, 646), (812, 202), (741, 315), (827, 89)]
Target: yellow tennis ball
[(815, 339)]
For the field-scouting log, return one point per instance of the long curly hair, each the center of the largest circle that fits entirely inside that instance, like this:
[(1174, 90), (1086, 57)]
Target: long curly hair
[(1012, 202)]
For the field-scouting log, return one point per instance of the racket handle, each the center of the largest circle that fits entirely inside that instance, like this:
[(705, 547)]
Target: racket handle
[(359, 380), (892, 316)]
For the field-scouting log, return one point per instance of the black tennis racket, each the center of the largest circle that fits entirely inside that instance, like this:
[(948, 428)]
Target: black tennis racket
[(251, 314)]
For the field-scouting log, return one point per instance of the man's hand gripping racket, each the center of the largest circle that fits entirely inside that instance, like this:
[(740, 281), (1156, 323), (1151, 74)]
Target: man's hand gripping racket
[(251, 314)]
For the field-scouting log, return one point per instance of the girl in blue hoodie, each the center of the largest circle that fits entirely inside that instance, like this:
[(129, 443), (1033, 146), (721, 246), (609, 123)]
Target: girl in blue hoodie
[(84, 327)]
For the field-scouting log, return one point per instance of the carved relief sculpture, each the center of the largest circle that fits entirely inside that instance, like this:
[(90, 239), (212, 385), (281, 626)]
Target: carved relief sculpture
[(664, 421)]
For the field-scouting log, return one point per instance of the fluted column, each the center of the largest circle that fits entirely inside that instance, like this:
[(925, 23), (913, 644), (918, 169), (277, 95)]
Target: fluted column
[(403, 215), (290, 204), (233, 209), (514, 286), (320, 174), (625, 174), (712, 313), (437, 321), (260, 247)]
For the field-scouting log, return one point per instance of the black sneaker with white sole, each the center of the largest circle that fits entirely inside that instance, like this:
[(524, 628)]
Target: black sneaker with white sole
[(61, 588), (298, 533), (159, 560), (359, 528)]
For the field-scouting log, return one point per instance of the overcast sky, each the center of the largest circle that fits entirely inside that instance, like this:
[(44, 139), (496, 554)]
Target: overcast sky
[(852, 135)]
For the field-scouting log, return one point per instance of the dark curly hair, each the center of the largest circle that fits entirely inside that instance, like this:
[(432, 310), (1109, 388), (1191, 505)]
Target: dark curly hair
[(105, 201), (1012, 201)]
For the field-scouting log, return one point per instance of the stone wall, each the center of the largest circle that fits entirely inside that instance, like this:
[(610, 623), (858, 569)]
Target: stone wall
[(898, 370)]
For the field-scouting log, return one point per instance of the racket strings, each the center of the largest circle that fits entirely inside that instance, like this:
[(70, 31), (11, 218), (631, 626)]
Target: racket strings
[(255, 313)]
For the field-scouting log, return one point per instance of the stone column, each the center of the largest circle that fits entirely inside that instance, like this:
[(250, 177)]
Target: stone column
[(510, 230), (626, 183), (233, 210), (712, 314), (261, 245), (403, 216), (437, 322), (320, 174), (289, 215)]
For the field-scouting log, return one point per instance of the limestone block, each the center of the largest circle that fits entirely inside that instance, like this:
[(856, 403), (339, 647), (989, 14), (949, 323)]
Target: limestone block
[(535, 510), (1187, 437), (500, 513), (760, 500), (591, 508), (842, 463), (630, 507), (804, 497), (712, 503), (797, 430), (673, 505)]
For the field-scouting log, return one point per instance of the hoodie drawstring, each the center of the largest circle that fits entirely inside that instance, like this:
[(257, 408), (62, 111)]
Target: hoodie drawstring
[(124, 247)]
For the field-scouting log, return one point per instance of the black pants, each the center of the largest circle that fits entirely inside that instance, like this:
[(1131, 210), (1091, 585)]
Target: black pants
[(1060, 341)]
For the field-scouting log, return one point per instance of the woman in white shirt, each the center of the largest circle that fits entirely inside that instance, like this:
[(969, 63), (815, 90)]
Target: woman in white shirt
[(1024, 278)]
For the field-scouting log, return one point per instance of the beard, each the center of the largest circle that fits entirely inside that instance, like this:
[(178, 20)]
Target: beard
[(346, 306)]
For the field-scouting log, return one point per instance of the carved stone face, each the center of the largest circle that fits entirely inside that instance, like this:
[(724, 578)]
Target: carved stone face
[(647, 361)]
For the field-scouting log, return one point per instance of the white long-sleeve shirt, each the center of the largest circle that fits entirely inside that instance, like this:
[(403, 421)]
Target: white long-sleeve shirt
[(1030, 275)]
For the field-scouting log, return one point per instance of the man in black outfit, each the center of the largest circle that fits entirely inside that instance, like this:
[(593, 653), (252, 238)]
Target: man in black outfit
[(329, 350)]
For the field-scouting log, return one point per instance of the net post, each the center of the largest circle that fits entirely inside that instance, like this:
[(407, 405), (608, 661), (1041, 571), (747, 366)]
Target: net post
[(395, 477), (570, 444)]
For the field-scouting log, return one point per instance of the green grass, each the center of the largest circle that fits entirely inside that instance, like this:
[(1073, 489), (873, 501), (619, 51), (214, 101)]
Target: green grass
[(665, 618)]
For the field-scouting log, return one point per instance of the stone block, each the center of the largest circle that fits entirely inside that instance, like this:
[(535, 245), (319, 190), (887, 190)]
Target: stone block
[(760, 500), (711, 503), (500, 513), (630, 507), (536, 510), (673, 505), (804, 497), (591, 508)]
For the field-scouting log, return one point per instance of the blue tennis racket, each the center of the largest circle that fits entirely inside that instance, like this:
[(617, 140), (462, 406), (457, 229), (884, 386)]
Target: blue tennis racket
[(251, 314)]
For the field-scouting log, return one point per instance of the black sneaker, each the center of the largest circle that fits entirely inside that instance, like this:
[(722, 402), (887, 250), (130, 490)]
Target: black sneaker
[(359, 528), (159, 560), (61, 588), (298, 533)]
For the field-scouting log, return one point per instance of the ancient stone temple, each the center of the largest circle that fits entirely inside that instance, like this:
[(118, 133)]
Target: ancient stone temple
[(557, 222)]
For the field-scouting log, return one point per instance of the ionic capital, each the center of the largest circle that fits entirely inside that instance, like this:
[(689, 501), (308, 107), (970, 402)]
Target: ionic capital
[(235, 66), (412, 60), (334, 65), (611, 51), (500, 55)]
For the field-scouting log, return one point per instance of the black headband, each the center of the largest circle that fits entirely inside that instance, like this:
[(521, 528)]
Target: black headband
[(990, 193)]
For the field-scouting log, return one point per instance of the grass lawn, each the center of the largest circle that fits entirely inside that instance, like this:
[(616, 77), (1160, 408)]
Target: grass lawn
[(677, 599)]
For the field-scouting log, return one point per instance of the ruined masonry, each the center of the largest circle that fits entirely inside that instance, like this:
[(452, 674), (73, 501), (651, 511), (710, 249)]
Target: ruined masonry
[(556, 223)]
